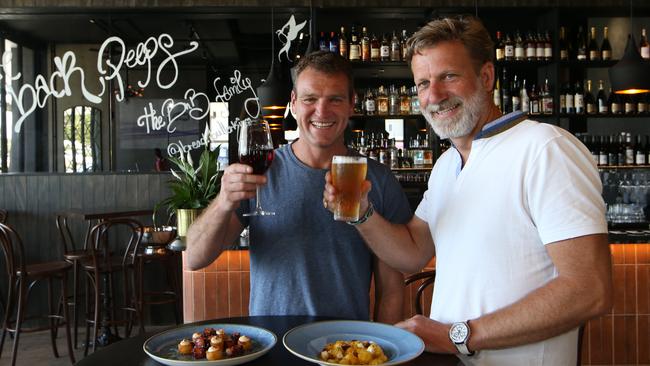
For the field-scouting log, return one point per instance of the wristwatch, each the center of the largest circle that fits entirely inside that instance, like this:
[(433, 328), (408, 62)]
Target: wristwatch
[(459, 334)]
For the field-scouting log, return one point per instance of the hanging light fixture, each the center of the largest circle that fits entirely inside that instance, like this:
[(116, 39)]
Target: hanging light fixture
[(274, 93), (631, 75)]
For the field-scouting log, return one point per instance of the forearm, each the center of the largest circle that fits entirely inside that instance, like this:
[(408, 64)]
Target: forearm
[(210, 234), (389, 293)]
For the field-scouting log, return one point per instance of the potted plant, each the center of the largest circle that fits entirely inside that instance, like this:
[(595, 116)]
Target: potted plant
[(192, 187)]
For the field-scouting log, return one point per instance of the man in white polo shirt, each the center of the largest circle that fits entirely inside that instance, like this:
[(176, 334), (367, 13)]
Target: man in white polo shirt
[(513, 214)]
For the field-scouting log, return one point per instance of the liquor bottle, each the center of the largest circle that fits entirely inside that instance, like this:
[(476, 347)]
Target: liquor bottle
[(548, 47), (581, 45), (382, 101), (644, 46), (369, 103), (415, 102), (640, 154), (539, 49), (496, 97), (355, 46), (365, 45), (579, 98), (612, 151), (601, 99), (343, 44), (358, 104), (509, 48), (404, 101), (629, 149), (500, 48), (395, 48), (534, 101), (546, 103), (374, 48), (520, 52), (403, 44), (606, 47), (592, 144), (334, 42), (525, 99), (563, 45), (506, 100), (393, 101), (531, 46), (323, 44), (295, 53), (603, 156), (594, 51), (384, 49), (630, 104), (614, 103), (642, 103), (570, 99), (563, 106), (516, 97), (590, 101)]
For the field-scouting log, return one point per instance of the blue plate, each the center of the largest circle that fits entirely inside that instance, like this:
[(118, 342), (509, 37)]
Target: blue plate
[(307, 341), (163, 347)]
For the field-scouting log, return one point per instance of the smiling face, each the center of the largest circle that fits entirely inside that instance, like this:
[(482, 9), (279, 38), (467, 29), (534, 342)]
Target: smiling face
[(322, 105), (454, 99)]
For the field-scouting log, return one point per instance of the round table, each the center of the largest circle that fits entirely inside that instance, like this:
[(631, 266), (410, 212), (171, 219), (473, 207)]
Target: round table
[(129, 351)]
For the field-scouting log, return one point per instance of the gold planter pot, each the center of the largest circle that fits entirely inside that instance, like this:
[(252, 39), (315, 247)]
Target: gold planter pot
[(184, 218)]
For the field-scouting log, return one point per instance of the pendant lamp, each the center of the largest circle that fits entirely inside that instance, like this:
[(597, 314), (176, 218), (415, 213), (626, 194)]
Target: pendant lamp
[(631, 75), (274, 93)]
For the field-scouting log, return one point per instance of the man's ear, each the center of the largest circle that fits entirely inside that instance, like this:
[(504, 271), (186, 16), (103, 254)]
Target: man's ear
[(487, 76)]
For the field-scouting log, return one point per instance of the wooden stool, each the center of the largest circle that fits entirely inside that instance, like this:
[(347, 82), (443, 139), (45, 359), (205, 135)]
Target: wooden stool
[(22, 278)]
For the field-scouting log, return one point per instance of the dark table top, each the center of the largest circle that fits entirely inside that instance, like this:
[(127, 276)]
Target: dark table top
[(129, 351), (106, 213)]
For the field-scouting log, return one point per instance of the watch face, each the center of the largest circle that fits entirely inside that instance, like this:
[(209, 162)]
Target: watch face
[(458, 333)]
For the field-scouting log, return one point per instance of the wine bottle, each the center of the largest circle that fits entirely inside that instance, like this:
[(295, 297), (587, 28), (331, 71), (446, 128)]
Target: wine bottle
[(629, 148), (365, 45), (590, 101), (516, 97), (639, 151), (644, 46), (525, 99), (384, 49), (601, 99), (374, 48), (548, 47), (539, 50), (534, 101), (581, 45), (506, 100), (323, 44), (606, 47), (563, 45), (546, 103), (579, 98), (499, 48), (563, 106), (343, 44), (509, 48), (614, 103), (520, 52), (630, 104), (395, 49), (603, 156), (594, 51), (496, 97), (531, 47), (570, 99), (355, 46), (334, 42), (642, 103)]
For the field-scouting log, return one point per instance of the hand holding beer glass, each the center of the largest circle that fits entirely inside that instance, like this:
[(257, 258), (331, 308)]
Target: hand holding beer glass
[(348, 174)]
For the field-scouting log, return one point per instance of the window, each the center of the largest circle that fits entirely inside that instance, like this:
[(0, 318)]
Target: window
[(81, 139)]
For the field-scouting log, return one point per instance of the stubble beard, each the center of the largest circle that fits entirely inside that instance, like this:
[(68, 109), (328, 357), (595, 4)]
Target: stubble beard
[(461, 124)]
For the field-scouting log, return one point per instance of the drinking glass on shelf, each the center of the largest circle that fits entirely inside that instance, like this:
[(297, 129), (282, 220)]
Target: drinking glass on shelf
[(256, 151)]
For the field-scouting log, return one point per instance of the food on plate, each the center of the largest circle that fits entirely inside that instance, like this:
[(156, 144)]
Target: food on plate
[(353, 353), (215, 344), (185, 347)]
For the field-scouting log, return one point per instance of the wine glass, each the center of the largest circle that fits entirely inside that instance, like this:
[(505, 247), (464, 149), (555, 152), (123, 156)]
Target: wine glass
[(256, 151)]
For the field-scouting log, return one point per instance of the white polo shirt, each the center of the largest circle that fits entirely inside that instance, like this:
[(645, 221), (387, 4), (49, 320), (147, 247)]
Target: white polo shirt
[(523, 188)]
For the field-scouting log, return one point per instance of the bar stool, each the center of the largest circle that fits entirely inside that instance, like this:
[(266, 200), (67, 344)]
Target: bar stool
[(74, 256), (428, 278), (3, 306), (22, 278), (101, 267)]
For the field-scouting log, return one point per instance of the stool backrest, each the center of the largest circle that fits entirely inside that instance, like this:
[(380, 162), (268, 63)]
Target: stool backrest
[(427, 277), (102, 247), (67, 240), (12, 250)]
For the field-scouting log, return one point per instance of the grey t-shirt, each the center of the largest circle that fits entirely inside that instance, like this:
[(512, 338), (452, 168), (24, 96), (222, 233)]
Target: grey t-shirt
[(302, 261)]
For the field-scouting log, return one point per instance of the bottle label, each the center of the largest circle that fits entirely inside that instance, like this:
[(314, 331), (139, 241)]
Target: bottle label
[(641, 107), (539, 52), (365, 51), (629, 156), (530, 52), (548, 53), (645, 51), (501, 54), (516, 103), (594, 55), (579, 101), (581, 57), (354, 52), (629, 107), (509, 51), (602, 107), (570, 104), (564, 55), (616, 108), (384, 51), (370, 106), (591, 108), (374, 53), (534, 107), (607, 55), (519, 52), (602, 159), (640, 158), (563, 103), (547, 105)]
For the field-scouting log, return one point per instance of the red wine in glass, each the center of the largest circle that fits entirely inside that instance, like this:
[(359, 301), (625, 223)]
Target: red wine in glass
[(260, 160)]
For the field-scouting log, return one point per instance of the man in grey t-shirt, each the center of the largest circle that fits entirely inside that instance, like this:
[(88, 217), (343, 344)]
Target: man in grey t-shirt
[(302, 261)]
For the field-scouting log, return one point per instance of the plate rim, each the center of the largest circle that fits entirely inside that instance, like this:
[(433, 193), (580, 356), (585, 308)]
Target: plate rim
[(320, 362), (195, 362)]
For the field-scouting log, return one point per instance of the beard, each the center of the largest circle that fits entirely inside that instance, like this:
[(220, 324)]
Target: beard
[(461, 124)]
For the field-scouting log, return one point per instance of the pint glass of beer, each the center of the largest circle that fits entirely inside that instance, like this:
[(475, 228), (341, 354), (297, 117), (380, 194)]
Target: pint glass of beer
[(348, 174)]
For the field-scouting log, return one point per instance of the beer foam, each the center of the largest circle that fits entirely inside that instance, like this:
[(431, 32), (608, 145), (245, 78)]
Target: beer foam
[(340, 159)]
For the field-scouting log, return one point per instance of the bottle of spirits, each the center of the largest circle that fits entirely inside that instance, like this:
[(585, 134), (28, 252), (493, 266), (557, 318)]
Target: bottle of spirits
[(546, 99), (520, 51), (563, 45), (644, 46), (499, 48), (534, 101), (606, 47), (593, 49), (601, 99), (496, 97), (640, 155), (525, 99), (343, 44), (323, 43), (334, 42), (374, 48), (581, 46), (603, 156), (506, 100), (365, 45), (509, 48), (614, 103), (540, 46), (630, 104), (590, 101), (384, 49), (393, 101), (355, 46), (395, 48), (548, 47), (415, 102), (403, 44), (358, 104), (369, 103), (579, 98), (516, 97), (404, 101), (382, 101), (531, 47)]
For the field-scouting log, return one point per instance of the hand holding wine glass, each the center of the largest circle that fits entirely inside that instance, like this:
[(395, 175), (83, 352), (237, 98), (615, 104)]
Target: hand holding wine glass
[(256, 151)]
